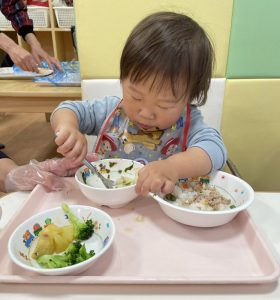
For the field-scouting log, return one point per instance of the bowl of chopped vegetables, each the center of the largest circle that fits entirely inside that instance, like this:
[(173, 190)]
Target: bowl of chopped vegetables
[(207, 201), (123, 173), (63, 240)]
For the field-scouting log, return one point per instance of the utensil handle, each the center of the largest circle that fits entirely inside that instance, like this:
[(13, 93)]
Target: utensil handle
[(88, 164), (91, 167)]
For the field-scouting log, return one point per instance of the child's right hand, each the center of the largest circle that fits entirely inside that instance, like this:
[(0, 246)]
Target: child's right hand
[(156, 177), (72, 144)]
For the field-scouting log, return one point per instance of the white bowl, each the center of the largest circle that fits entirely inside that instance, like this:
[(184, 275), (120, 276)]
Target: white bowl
[(22, 239), (95, 191), (238, 190)]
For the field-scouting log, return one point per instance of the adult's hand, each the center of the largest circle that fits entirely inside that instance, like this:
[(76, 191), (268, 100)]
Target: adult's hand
[(23, 59), (49, 173), (64, 167), (40, 54), (19, 56), (25, 178)]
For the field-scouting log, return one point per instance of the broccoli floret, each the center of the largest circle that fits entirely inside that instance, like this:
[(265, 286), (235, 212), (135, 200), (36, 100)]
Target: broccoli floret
[(74, 247), (54, 261), (73, 251), (84, 255), (74, 254), (82, 230)]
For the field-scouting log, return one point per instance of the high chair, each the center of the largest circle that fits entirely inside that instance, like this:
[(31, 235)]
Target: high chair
[(211, 111)]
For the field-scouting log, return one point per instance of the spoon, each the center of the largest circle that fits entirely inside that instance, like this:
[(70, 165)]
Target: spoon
[(108, 183)]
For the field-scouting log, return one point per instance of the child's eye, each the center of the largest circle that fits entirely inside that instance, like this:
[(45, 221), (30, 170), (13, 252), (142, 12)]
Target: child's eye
[(164, 107), (136, 98)]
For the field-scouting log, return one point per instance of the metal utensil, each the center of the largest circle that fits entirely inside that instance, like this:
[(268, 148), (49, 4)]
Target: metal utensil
[(108, 183)]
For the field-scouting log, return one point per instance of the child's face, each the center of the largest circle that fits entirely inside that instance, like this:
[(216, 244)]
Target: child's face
[(150, 108)]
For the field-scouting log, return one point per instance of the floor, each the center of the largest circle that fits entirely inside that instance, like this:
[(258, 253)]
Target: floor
[(27, 136)]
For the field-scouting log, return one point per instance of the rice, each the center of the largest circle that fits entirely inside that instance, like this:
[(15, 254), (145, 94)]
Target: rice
[(199, 194)]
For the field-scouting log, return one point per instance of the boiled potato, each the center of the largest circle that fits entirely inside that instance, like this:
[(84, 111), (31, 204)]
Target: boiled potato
[(60, 244), (67, 232), (45, 244), (51, 228), (63, 237), (53, 239)]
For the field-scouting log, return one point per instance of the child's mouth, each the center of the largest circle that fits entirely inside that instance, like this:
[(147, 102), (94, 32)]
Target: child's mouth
[(147, 127)]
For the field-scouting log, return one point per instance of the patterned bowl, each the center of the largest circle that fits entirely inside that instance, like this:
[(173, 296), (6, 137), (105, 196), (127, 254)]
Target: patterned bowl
[(114, 169), (237, 190), (21, 242)]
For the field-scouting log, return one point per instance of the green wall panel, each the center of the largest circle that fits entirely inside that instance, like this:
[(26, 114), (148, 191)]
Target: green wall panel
[(254, 50)]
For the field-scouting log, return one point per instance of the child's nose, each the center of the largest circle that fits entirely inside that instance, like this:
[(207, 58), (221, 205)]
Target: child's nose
[(146, 113)]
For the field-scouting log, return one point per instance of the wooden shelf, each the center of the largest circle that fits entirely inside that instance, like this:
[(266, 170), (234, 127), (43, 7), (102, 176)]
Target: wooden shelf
[(56, 41), (61, 29), (42, 29)]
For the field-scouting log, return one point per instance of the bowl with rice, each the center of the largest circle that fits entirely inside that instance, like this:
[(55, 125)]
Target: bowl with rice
[(207, 201)]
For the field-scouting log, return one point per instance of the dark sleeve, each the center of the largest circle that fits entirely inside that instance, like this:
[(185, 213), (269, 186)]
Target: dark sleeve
[(3, 155), (16, 12)]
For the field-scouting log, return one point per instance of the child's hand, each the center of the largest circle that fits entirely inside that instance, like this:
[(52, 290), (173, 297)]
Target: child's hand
[(71, 143), (156, 177)]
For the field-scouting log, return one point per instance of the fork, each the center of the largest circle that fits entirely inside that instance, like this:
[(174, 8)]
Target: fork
[(108, 183)]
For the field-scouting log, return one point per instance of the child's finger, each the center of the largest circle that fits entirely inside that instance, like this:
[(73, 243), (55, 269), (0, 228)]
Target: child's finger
[(168, 187), (140, 181), (157, 185), (145, 187)]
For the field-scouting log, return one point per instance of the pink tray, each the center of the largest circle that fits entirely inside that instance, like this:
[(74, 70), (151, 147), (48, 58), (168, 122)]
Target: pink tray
[(150, 248)]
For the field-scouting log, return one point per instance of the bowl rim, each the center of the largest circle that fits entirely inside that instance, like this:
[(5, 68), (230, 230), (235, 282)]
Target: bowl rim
[(105, 189), (69, 268), (218, 212)]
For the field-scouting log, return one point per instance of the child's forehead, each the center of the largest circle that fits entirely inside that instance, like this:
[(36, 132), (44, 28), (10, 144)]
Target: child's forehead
[(164, 88)]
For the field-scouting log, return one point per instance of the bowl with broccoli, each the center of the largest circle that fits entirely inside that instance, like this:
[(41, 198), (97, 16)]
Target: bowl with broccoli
[(122, 172), (63, 240)]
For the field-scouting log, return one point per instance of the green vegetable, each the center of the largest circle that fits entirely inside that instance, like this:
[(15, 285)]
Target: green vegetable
[(82, 230), (75, 253), (111, 164), (53, 261), (170, 197), (129, 168), (232, 206), (84, 255), (204, 180)]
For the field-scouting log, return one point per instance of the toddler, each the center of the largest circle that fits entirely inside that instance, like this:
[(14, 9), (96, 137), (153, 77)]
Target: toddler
[(165, 72)]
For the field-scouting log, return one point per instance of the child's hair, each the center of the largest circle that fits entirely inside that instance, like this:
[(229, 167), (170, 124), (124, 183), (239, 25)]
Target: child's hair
[(173, 49)]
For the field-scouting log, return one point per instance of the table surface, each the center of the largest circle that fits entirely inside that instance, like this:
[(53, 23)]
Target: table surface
[(17, 96), (11, 88), (265, 211)]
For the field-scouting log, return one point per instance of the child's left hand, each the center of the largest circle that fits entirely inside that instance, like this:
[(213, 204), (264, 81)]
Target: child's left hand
[(156, 177)]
